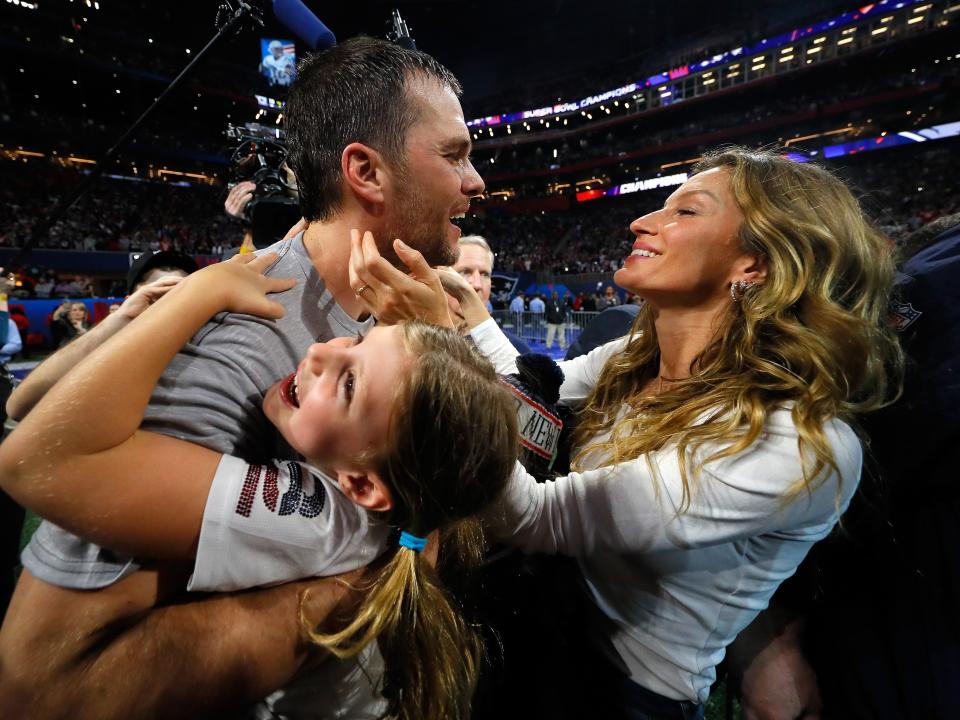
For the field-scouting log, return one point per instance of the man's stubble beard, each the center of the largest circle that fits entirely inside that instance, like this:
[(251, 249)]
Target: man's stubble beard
[(411, 226)]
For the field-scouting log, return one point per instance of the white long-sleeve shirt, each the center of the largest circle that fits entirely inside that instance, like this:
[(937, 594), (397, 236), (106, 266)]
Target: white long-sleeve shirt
[(677, 586)]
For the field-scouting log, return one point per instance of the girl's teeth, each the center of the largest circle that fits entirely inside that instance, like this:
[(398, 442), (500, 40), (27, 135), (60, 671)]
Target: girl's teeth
[(645, 253)]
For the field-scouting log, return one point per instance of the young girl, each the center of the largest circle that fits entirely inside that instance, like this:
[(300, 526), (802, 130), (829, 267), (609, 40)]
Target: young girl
[(406, 429)]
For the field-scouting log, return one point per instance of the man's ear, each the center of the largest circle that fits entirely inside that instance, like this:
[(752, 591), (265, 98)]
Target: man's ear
[(364, 171), (366, 488)]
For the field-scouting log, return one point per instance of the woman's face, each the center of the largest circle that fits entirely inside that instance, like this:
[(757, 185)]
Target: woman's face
[(337, 404), (78, 312), (686, 254)]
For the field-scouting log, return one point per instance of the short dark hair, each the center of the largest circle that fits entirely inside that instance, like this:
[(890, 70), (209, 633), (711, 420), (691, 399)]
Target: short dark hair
[(353, 92)]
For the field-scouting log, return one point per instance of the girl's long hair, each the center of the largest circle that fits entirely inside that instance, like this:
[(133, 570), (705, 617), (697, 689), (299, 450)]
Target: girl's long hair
[(813, 337), (451, 448)]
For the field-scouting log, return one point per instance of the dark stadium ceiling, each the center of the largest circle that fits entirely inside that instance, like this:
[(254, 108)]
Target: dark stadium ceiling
[(499, 48)]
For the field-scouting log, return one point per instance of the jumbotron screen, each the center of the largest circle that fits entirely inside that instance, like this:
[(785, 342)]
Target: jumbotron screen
[(278, 61)]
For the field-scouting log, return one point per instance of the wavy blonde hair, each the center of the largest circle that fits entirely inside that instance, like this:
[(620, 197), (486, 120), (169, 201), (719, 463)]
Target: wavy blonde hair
[(813, 337), (451, 447)]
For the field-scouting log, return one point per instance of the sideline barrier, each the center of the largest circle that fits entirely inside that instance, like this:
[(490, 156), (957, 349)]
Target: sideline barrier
[(532, 327)]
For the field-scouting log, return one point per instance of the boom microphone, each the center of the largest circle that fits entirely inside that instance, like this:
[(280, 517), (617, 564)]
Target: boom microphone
[(400, 33), (300, 20)]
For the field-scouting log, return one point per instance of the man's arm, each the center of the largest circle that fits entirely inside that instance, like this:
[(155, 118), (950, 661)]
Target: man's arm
[(45, 376), (774, 678), (106, 654)]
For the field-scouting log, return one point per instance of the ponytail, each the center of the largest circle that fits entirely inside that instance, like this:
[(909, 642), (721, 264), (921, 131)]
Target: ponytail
[(431, 655)]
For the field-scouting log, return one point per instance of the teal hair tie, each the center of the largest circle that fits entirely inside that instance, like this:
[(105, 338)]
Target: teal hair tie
[(412, 541)]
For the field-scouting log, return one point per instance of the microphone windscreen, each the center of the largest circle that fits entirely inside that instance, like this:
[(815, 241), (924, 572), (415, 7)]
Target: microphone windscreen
[(300, 20)]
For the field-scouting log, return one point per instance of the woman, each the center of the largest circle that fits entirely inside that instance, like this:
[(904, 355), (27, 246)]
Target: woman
[(714, 444), (72, 320), (407, 428)]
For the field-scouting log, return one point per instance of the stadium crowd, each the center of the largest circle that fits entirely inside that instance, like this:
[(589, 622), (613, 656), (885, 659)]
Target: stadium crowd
[(820, 110), (902, 189), (117, 215)]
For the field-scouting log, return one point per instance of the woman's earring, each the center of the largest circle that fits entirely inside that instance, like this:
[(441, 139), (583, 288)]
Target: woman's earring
[(739, 288)]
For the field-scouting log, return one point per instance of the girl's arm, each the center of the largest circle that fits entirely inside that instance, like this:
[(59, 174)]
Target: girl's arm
[(79, 460), (45, 376)]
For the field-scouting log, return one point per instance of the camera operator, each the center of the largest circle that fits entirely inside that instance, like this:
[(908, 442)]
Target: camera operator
[(235, 206), (263, 194)]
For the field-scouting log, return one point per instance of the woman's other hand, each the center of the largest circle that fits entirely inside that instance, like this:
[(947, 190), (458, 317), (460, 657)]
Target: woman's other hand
[(471, 304)]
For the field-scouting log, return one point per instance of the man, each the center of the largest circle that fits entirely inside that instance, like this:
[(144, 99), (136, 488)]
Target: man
[(556, 314), (537, 309), (378, 142), (475, 265), (152, 266), (517, 307), (537, 306), (609, 299)]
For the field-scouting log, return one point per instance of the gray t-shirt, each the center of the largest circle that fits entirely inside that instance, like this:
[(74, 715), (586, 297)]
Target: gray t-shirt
[(210, 394)]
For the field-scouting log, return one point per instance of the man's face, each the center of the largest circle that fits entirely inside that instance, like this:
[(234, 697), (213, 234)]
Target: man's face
[(437, 180), (475, 267)]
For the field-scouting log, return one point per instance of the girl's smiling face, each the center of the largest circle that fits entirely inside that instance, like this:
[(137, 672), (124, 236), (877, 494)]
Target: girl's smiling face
[(335, 409)]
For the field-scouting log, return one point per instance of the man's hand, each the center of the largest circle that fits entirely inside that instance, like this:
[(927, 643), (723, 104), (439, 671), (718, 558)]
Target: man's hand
[(776, 681), (238, 198), (115, 656), (389, 294)]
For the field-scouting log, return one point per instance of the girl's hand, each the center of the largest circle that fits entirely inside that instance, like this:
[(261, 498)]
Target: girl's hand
[(301, 226), (239, 285), (388, 293), (146, 296)]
